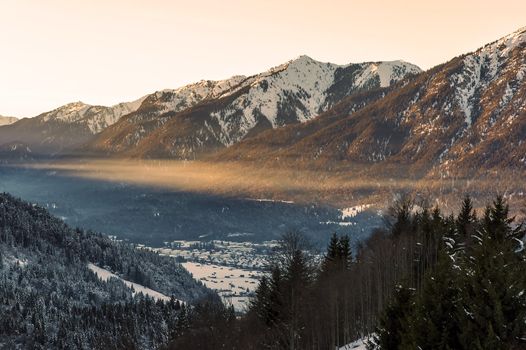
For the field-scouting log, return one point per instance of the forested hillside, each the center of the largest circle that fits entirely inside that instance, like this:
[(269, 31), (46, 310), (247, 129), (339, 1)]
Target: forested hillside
[(426, 281), (49, 298)]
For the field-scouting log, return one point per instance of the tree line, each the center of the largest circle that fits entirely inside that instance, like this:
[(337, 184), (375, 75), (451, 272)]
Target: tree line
[(425, 281)]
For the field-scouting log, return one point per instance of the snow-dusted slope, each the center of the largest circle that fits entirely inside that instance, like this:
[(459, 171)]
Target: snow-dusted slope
[(65, 127), (481, 68), (300, 90), (105, 275), (175, 100), (197, 118), (94, 118), (465, 116), (7, 120), (360, 344)]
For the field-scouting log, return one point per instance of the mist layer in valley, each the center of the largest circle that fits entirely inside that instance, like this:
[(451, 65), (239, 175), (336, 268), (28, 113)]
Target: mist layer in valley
[(136, 205), (336, 187)]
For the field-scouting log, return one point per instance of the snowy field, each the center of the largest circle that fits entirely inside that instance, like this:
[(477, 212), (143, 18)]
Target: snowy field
[(234, 285), (105, 275)]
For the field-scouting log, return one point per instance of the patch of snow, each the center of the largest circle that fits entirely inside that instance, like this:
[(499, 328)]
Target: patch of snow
[(240, 234), (387, 72), (340, 223), (96, 118), (269, 200), (353, 211), (360, 344), (508, 95), (105, 275), (469, 81), (234, 285), (16, 261)]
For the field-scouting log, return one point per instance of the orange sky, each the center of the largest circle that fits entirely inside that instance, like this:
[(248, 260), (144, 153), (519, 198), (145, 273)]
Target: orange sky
[(108, 51)]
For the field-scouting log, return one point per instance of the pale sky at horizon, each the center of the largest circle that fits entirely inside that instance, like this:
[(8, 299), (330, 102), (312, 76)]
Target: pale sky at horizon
[(107, 51)]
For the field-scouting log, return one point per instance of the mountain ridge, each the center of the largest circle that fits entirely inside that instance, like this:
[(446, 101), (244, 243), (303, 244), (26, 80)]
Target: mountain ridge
[(293, 92), (466, 115), (304, 88), (7, 120), (64, 127)]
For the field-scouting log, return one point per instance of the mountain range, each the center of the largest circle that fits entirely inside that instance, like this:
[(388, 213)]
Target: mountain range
[(465, 116), (468, 113), (201, 117)]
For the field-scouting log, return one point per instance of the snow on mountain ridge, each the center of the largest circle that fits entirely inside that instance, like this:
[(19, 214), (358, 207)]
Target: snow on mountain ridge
[(269, 91), (7, 120), (191, 94), (213, 114), (299, 87), (482, 67), (70, 112), (95, 118)]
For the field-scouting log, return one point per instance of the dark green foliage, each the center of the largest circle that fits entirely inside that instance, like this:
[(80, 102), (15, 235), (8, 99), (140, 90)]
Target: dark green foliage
[(338, 257), (434, 321), (466, 218), (472, 297), (50, 299), (429, 282), (494, 310), (394, 325)]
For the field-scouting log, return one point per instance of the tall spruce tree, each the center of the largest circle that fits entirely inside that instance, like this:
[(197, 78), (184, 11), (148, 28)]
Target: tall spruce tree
[(330, 260), (434, 322), (466, 218), (345, 254), (493, 308), (395, 323)]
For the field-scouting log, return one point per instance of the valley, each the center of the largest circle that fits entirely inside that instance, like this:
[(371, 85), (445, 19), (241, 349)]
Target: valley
[(144, 213), (232, 269)]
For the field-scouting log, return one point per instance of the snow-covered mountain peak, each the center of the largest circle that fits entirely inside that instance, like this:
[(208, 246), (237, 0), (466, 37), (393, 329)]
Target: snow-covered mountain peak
[(299, 90), (95, 118), (303, 60), (72, 106), (304, 63), (175, 100), (70, 112), (209, 88), (503, 46)]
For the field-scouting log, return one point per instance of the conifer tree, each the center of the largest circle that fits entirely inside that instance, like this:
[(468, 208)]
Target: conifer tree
[(260, 303), (466, 218), (331, 258), (401, 213), (395, 323), (493, 306), (345, 255), (183, 321), (434, 323)]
